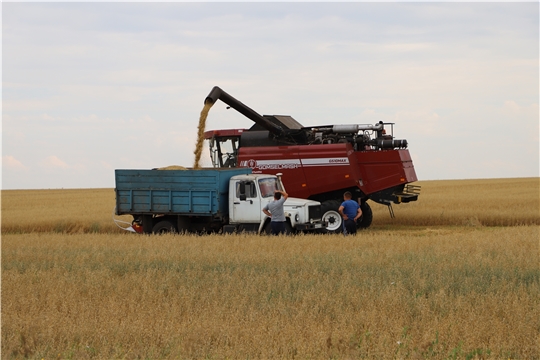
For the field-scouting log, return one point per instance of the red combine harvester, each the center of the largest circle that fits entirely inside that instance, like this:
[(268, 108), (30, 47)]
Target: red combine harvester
[(319, 162)]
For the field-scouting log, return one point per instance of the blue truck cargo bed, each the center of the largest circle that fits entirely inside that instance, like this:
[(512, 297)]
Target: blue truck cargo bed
[(174, 192)]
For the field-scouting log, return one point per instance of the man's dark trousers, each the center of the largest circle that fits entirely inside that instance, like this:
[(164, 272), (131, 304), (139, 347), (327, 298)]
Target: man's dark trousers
[(350, 226), (278, 227)]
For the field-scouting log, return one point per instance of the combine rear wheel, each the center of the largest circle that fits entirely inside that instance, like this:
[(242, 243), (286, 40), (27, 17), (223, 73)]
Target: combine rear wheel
[(367, 216), (330, 211), (164, 227)]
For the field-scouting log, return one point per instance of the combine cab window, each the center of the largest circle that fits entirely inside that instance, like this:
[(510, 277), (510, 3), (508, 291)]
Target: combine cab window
[(224, 151)]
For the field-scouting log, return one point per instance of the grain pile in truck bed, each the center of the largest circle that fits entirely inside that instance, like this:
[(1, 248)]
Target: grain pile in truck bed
[(172, 167)]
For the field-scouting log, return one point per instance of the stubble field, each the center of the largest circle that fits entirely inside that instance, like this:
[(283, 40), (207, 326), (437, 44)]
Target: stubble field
[(454, 276)]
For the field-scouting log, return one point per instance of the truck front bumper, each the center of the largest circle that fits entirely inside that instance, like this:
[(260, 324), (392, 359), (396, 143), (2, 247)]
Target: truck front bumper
[(316, 225)]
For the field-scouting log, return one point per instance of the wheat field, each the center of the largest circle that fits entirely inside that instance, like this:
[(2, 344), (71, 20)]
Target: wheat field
[(490, 202), (454, 276)]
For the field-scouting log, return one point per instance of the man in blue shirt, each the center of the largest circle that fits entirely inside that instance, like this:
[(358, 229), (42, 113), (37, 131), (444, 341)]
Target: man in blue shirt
[(350, 211), (274, 210)]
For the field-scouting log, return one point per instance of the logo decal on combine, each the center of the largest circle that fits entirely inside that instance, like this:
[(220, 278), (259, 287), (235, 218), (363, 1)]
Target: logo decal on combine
[(271, 164), (293, 163), (325, 162)]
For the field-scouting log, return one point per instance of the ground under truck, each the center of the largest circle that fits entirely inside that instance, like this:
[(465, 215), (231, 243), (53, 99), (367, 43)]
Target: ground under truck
[(319, 162)]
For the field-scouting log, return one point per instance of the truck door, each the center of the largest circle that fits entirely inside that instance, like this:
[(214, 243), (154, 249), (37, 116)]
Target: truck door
[(246, 203)]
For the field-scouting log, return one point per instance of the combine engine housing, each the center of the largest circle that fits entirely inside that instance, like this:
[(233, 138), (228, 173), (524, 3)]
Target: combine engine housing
[(319, 162)]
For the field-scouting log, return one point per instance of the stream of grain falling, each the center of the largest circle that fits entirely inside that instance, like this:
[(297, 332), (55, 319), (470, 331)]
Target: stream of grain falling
[(200, 134)]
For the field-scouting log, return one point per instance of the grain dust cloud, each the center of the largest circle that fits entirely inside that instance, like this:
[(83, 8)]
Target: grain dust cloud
[(200, 133)]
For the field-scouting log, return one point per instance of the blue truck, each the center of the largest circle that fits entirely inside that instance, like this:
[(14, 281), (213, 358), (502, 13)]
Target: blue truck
[(207, 200)]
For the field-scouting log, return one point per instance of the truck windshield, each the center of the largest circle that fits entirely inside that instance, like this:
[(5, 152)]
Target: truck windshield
[(268, 187)]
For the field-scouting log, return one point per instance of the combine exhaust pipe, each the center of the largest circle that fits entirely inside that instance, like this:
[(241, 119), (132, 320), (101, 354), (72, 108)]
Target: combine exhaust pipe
[(217, 93)]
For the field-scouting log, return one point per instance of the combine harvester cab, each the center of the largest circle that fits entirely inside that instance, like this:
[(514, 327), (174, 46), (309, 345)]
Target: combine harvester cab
[(320, 162)]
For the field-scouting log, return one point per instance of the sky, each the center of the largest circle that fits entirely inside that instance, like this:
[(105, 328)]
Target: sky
[(88, 88)]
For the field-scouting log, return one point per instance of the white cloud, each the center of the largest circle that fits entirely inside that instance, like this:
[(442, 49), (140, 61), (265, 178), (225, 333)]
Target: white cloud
[(11, 163), (53, 162)]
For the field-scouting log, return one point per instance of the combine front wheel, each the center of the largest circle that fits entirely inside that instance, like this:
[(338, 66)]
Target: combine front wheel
[(330, 211)]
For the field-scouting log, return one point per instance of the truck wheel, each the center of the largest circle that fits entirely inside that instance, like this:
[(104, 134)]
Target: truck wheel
[(267, 230), (288, 228), (367, 216), (164, 227), (330, 211)]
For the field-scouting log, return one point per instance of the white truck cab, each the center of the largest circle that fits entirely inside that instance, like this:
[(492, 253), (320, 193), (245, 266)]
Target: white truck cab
[(249, 194)]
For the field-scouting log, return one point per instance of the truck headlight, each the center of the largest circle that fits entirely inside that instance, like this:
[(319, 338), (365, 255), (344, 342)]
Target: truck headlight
[(297, 218)]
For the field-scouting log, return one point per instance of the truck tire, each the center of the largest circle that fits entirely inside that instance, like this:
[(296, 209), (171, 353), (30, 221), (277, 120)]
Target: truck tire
[(367, 216), (164, 227), (288, 228), (330, 214), (267, 230)]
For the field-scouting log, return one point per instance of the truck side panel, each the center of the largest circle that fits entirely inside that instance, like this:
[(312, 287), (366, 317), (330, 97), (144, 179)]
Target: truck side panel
[(168, 201), (174, 192)]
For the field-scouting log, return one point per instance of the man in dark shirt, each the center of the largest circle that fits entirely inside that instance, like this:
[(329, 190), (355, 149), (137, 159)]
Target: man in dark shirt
[(350, 211)]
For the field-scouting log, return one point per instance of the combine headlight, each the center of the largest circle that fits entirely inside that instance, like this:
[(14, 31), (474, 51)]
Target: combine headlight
[(297, 218)]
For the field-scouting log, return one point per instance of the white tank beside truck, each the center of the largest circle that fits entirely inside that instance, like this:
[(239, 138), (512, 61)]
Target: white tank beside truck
[(207, 200)]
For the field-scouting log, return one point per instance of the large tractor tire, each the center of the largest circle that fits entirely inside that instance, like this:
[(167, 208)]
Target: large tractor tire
[(367, 216), (330, 214), (164, 227)]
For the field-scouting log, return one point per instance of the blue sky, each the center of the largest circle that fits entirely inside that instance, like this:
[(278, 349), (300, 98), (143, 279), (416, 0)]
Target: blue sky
[(92, 87)]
